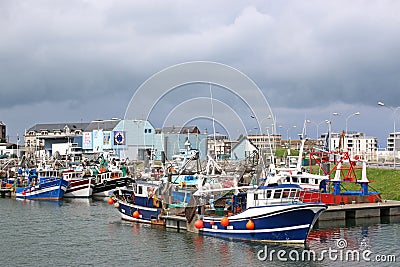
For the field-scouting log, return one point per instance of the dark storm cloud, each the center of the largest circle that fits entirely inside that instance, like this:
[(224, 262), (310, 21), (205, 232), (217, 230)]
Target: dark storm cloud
[(301, 53)]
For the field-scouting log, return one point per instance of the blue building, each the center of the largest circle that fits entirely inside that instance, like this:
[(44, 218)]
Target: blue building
[(243, 149), (139, 139)]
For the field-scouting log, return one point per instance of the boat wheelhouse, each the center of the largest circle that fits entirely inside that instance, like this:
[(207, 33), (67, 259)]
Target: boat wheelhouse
[(109, 180), (79, 184)]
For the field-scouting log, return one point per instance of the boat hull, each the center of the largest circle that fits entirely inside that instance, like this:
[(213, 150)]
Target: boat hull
[(80, 188), (139, 209), (50, 189), (276, 224)]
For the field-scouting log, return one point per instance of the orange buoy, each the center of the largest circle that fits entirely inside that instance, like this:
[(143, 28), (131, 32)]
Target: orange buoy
[(136, 214), (225, 221), (199, 224), (250, 225), (110, 201)]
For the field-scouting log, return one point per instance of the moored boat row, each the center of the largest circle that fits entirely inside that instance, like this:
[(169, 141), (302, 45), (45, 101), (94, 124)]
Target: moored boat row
[(55, 184), (264, 213)]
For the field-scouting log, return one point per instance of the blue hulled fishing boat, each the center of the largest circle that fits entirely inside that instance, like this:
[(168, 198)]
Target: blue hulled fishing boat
[(267, 214), (43, 185), (140, 204)]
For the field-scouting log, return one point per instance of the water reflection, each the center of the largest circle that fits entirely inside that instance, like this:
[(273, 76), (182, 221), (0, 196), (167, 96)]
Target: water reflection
[(356, 237), (92, 232)]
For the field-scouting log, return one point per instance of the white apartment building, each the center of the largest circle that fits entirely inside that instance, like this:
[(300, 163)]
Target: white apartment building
[(356, 143)]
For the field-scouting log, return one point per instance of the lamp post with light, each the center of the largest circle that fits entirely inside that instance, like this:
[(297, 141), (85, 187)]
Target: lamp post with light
[(351, 115), (345, 136), (394, 129)]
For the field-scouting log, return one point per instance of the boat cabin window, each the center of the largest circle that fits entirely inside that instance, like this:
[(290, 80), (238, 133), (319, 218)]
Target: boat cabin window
[(48, 174), (267, 194), (288, 179), (292, 193), (295, 179), (140, 190), (286, 193), (305, 180), (277, 193), (315, 181), (255, 196)]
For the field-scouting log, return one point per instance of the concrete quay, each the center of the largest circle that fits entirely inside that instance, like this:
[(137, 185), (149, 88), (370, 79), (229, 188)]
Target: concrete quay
[(361, 210)]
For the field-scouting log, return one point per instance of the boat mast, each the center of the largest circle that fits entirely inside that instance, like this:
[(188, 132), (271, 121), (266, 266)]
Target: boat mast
[(213, 124)]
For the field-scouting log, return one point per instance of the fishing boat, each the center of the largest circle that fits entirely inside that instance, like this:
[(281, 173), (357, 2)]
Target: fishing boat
[(79, 184), (108, 180), (43, 185), (141, 204), (266, 213)]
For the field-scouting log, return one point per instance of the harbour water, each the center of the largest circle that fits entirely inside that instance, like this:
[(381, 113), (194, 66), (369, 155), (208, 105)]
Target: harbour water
[(85, 232)]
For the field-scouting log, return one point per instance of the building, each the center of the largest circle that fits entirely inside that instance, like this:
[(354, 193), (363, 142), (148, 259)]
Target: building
[(136, 139), (39, 139), (9, 150), (356, 143), (220, 145), (133, 139), (2, 132), (392, 149), (179, 130), (243, 149), (99, 136), (266, 142), (172, 140), (393, 141)]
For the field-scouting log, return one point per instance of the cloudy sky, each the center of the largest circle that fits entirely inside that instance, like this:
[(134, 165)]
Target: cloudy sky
[(77, 61)]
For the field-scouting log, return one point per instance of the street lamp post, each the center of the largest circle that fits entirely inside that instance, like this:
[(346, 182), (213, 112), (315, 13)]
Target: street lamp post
[(345, 136), (294, 126), (260, 129), (329, 134), (287, 133), (334, 114), (317, 127), (394, 129), (348, 117)]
